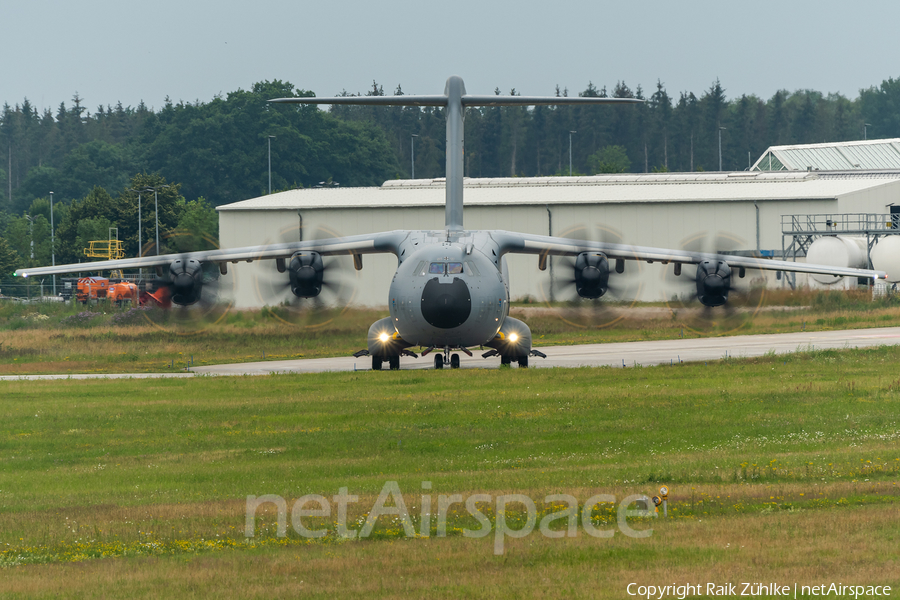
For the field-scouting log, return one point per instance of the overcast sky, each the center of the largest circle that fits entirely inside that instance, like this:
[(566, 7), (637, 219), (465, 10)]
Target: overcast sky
[(109, 51)]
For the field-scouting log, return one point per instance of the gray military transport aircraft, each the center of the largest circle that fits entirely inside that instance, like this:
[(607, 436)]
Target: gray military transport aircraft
[(451, 290)]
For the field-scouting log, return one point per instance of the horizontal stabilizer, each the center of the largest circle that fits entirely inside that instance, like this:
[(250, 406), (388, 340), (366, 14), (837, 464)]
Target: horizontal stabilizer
[(455, 100), (467, 100), (369, 100), (541, 100)]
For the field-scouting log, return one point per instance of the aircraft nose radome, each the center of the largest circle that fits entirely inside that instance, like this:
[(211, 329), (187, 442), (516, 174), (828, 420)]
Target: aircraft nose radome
[(446, 305)]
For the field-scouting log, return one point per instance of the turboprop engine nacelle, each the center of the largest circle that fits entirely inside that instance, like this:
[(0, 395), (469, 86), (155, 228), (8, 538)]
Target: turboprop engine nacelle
[(591, 274), (187, 281), (306, 270), (713, 282)]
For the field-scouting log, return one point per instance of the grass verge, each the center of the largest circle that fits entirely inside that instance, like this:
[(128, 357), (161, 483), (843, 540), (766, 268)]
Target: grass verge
[(53, 338), (777, 468)]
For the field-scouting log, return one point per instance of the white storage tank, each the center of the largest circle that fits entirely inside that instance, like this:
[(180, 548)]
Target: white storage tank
[(837, 251), (886, 257)]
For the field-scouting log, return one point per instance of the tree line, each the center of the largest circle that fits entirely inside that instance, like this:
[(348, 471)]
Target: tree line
[(159, 207), (217, 152), (664, 133)]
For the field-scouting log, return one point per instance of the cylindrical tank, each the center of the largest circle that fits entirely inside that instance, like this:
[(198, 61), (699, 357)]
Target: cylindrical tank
[(886, 257), (837, 251)]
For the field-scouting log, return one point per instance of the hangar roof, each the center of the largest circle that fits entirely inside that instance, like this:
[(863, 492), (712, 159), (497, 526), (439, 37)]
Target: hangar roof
[(859, 155), (624, 188)]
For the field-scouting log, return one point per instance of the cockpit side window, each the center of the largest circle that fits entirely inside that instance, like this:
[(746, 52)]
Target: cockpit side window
[(455, 268), (436, 268)]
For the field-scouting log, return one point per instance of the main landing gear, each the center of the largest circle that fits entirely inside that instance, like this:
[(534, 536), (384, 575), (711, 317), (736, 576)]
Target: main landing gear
[(393, 361), (508, 359)]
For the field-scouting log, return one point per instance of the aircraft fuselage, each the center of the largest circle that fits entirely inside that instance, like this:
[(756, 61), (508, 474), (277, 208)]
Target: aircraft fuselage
[(448, 293)]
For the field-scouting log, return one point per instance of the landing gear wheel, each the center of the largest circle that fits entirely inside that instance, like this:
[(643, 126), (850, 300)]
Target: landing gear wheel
[(438, 361), (376, 363), (394, 362), (454, 361), (523, 362), (505, 360)]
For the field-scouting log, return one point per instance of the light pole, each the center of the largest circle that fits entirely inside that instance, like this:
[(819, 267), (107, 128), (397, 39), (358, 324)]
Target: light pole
[(140, 236), (570, 152), (721, 129), (52, 244), (412, 153), (865, 130), (156, 200), (31, 233), (270, 163)]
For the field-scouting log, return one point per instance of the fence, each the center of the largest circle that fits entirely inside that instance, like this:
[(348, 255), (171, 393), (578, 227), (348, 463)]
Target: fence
[(34, 291)]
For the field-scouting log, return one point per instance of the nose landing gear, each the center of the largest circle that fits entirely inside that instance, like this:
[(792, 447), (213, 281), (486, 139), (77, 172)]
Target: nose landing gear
[(446, 358)]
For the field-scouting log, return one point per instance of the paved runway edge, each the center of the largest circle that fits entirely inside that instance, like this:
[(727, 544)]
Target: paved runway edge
[(627, 354), (622, 354)]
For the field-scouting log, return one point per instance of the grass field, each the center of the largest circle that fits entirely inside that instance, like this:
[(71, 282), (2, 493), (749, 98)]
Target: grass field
[(52, 338), (781, 469)]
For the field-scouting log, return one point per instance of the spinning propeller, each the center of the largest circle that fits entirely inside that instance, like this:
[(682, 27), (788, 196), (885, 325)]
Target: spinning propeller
[(188, 295), (306, 289), (581, 281), (712, 294)]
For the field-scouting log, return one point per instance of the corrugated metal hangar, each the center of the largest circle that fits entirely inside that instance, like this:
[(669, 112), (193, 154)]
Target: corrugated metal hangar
[(740, 211), (862, 155)]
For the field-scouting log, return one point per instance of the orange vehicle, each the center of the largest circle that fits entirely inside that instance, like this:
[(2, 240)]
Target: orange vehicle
[(100, 288), (91, 288), (122, 292)]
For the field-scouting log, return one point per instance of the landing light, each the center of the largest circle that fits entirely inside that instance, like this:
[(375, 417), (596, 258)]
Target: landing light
[(513, 337), (384, 337)]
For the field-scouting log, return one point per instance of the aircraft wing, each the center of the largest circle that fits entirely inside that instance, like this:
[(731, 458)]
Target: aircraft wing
[(386, 242), (523, 243)]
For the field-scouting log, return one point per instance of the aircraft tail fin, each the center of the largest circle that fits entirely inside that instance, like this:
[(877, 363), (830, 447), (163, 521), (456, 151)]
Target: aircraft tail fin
[(455, 100)]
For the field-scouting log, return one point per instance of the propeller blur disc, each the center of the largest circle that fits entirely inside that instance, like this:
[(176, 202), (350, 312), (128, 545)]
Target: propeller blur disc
[(558, 290), (745, 297), (216, 291), (339, 285)]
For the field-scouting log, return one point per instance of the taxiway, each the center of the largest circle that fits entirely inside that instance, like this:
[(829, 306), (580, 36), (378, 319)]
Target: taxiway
[(616, 355)]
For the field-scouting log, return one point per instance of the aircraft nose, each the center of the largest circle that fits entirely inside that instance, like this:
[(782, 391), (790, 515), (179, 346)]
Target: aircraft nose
[(446, 305)]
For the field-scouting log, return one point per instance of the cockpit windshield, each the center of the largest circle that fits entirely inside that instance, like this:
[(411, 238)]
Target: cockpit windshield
[(440, 268)]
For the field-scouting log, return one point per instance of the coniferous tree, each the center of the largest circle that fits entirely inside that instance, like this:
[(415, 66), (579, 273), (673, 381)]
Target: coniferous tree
[(218, 149)]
